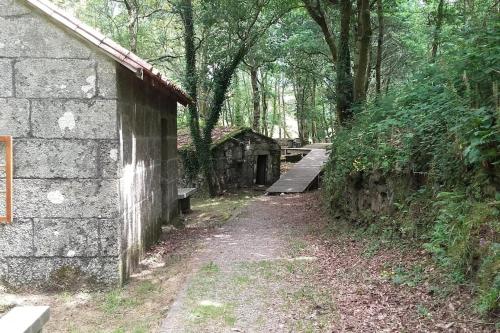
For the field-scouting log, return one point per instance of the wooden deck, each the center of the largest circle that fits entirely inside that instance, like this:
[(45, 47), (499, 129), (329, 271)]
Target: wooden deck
[(302, 174)]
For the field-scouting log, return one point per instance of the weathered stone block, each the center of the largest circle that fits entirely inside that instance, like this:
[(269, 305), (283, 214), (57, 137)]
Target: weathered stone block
[(16, 238), (172, 147), (128, 188), (74, 119), (170, 119), (153, 124), (35, 36), (55, 158), (6, 77), (66, 237), (109, 159), (55, 78), (138, 121), (14, 117), (50, 272), (106, 270), (4, 269), (106, 78), (12, 7), (172, 169), (19, 272), (110, 237), (155, 150), (65, 198)]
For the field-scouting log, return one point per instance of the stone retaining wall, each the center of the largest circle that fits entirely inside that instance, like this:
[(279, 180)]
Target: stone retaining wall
[(370, 195)]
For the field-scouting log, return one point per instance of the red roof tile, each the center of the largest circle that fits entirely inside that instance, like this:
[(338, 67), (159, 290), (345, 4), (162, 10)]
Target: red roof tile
[(140, 67)]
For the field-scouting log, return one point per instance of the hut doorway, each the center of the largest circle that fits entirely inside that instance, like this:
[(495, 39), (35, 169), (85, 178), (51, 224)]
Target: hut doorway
[(261, 172)]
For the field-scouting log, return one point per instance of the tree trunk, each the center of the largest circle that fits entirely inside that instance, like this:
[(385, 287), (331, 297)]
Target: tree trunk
[(265, 128), (283, 105), (275, 107), (133, 23), (228, 113), (437, 30), (256, 98), (380, 42), (317, 13), (369, 70), (300, 92), (191, 81), (222, 81), (238, 121), (314, 116), (325, 122), (363, 46), (344, 76), (202, 141)]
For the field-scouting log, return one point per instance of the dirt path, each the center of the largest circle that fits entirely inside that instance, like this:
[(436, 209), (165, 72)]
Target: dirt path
[(249, 277), (278, 266)]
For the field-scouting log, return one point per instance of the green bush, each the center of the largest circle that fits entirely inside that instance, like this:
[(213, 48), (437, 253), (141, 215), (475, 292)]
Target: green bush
[(444, 126)]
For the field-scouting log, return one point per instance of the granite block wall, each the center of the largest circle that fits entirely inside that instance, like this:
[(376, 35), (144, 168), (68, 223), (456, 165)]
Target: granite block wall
[(148, 186), (93, 149), (236, 160), (58, 100)]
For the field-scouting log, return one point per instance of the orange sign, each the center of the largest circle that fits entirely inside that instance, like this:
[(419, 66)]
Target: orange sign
[(7, 141)]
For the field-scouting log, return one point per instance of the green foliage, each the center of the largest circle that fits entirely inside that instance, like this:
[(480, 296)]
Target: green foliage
[(116, 300), (464, 240), (410, 278), (423, 311), (210, 268), (190, 163), (442, 129)]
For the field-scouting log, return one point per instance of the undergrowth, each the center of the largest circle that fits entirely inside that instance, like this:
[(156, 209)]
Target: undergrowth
[(440, 135)]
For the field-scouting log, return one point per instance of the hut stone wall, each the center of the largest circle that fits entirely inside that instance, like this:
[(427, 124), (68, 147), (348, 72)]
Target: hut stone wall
[(236, 161), (148, 150), (89, 189)]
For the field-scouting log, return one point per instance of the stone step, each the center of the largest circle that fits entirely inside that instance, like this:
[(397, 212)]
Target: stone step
[(25, 319)]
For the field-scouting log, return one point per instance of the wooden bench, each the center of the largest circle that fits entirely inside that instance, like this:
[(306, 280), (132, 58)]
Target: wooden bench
[(25, 319), (184, 197)]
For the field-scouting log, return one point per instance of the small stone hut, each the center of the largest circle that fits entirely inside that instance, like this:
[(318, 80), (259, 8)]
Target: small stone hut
[(242, 157), (94, 149)]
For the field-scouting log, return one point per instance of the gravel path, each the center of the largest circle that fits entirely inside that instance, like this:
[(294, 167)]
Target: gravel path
[(280, 264), (248, 276)]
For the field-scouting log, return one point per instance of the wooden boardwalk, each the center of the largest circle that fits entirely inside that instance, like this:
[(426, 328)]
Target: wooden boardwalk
[(302, 174)]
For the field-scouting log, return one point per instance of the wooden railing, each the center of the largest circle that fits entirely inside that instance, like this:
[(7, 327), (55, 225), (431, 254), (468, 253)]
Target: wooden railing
[(8, 170), (287, 151)]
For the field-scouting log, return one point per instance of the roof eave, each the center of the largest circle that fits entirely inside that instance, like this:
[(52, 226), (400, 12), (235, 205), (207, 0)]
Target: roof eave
[(118, 53)]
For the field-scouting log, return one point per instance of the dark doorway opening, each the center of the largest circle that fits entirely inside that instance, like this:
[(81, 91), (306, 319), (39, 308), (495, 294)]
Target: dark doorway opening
[(260, 175)]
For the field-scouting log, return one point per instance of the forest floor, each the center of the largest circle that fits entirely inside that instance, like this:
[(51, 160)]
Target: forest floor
[(249, 263)]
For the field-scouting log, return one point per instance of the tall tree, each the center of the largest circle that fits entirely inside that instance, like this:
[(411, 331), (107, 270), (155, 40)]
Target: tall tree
[(344, 77), (234, 28), (437, 30), (133, 22), (380, 43), (254, 77), (363, 49), (185, 10), (316, 10)]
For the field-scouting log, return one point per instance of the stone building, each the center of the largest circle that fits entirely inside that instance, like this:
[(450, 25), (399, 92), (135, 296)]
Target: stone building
[(94, 149), (242, 157)]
